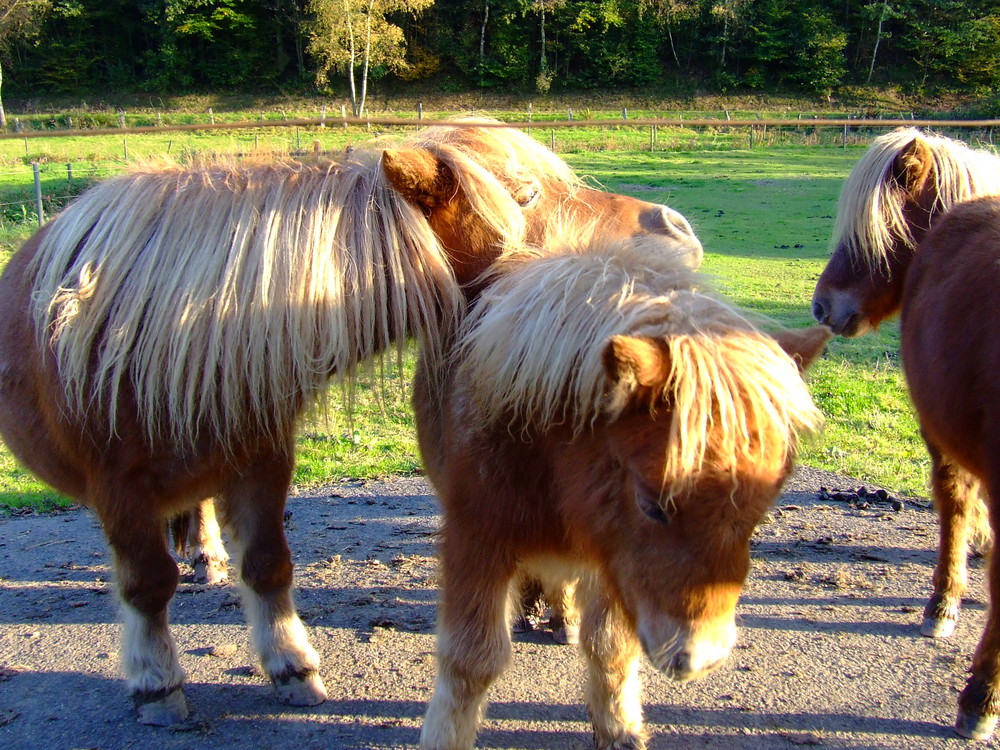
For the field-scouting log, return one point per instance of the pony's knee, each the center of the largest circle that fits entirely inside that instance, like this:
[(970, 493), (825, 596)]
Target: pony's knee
[(148, 588), (267, 569), (471, 662)]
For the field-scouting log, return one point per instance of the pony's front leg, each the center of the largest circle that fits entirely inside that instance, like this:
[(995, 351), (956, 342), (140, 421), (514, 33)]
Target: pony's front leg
[(955, 494), (253, 511), (979, 701), (613, 686), (473, 641), (146, 578)]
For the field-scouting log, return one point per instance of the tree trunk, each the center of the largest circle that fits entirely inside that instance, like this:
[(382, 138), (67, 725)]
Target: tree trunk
[(367, 60), (673, 47), (725, 40), (3, 112), (878, 39), (350, 62), (543, 62), (482, 32)]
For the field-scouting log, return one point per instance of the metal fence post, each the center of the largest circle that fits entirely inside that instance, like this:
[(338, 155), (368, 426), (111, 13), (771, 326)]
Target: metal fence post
[(38, 192)]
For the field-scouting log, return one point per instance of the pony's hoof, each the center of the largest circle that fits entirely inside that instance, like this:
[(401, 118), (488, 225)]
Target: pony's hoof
[(975, 727), (211, 574), (522, 624), (566, 635), (938, 627), (301, 689), (210, 571), (629, 742), (161, 710)]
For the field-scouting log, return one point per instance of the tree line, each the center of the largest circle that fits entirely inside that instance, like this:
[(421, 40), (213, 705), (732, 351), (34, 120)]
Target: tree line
[(809, 46)]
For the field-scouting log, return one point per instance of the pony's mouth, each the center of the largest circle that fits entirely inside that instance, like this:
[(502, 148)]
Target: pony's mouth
[(853, 325), (687, 653)]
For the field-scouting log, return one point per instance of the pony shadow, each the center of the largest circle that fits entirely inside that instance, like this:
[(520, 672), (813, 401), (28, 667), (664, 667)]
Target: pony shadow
[(678, 716), (812, 625), (792, 549)]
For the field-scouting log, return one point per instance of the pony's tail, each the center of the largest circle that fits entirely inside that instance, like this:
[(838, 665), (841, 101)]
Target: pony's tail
[(179, 531)]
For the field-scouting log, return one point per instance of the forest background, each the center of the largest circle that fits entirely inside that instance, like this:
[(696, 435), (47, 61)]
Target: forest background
[(671, 48)]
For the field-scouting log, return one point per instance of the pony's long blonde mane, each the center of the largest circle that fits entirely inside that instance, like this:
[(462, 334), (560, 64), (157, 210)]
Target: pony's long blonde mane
[(531, 355), (224, 295), (870, 209)]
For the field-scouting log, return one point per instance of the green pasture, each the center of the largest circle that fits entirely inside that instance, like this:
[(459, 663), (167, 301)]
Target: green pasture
[(764, 215)]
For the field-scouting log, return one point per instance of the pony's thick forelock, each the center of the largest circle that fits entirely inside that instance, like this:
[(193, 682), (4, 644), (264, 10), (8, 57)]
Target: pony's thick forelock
[(870, 217), (224, 295), (531, 355)]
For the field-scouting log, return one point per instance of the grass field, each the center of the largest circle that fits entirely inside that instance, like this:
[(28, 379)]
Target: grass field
[(764, 216)]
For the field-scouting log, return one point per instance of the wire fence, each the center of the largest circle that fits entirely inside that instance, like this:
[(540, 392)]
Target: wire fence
[(55, 176)]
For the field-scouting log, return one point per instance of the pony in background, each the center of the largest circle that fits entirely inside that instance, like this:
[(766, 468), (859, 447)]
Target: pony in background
[(160, 338), (909, 240), (601, 417), (951, 358)]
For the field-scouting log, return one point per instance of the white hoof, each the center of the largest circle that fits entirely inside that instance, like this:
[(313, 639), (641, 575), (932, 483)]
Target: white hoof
[(305, 689), (162, 712)]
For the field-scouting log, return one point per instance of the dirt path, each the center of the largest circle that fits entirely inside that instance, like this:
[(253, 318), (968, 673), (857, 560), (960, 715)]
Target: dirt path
[(829, 652)]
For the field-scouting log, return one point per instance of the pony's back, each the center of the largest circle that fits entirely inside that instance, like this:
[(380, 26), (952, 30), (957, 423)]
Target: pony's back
[(225, 294)]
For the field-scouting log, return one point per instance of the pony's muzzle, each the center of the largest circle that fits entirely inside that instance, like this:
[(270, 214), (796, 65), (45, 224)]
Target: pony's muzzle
[(664, 220), (841, 316), (686, 651)]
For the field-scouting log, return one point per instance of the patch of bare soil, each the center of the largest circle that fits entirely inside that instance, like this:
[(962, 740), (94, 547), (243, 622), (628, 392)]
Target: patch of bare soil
[(829, 653)]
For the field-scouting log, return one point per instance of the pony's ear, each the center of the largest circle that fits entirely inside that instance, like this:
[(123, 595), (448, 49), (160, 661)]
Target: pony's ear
[(642, 361), (804, 344), (912, 165), (419, 176)]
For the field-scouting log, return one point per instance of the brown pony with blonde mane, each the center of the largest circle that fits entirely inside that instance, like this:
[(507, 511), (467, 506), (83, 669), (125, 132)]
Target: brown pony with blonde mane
[(601, 417), (161, 337), (904, 186), (951, 357)]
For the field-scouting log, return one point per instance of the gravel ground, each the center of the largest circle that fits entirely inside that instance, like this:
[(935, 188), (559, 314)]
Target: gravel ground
[(829, 653)]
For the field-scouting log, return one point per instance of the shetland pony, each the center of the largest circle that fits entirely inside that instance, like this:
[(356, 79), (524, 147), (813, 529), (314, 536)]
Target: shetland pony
[(951, 357), (904, 186), (601, 417), (901, 185), (485, 164), (160, 338)]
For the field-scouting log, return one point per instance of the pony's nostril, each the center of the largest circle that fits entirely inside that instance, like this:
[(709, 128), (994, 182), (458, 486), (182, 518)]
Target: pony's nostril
[(679, 224), (819, 311), (681, 663)]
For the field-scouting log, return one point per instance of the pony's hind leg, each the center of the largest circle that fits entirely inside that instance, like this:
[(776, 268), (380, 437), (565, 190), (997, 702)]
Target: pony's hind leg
[(197, 537), (146, 578), (956, 500), (539, 583), (210, 559), (253, 510), (564, 617), (613, 686), (473, 642)]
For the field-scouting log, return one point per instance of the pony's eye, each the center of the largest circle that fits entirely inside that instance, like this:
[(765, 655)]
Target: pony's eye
[(650, 504), (528, 197)]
